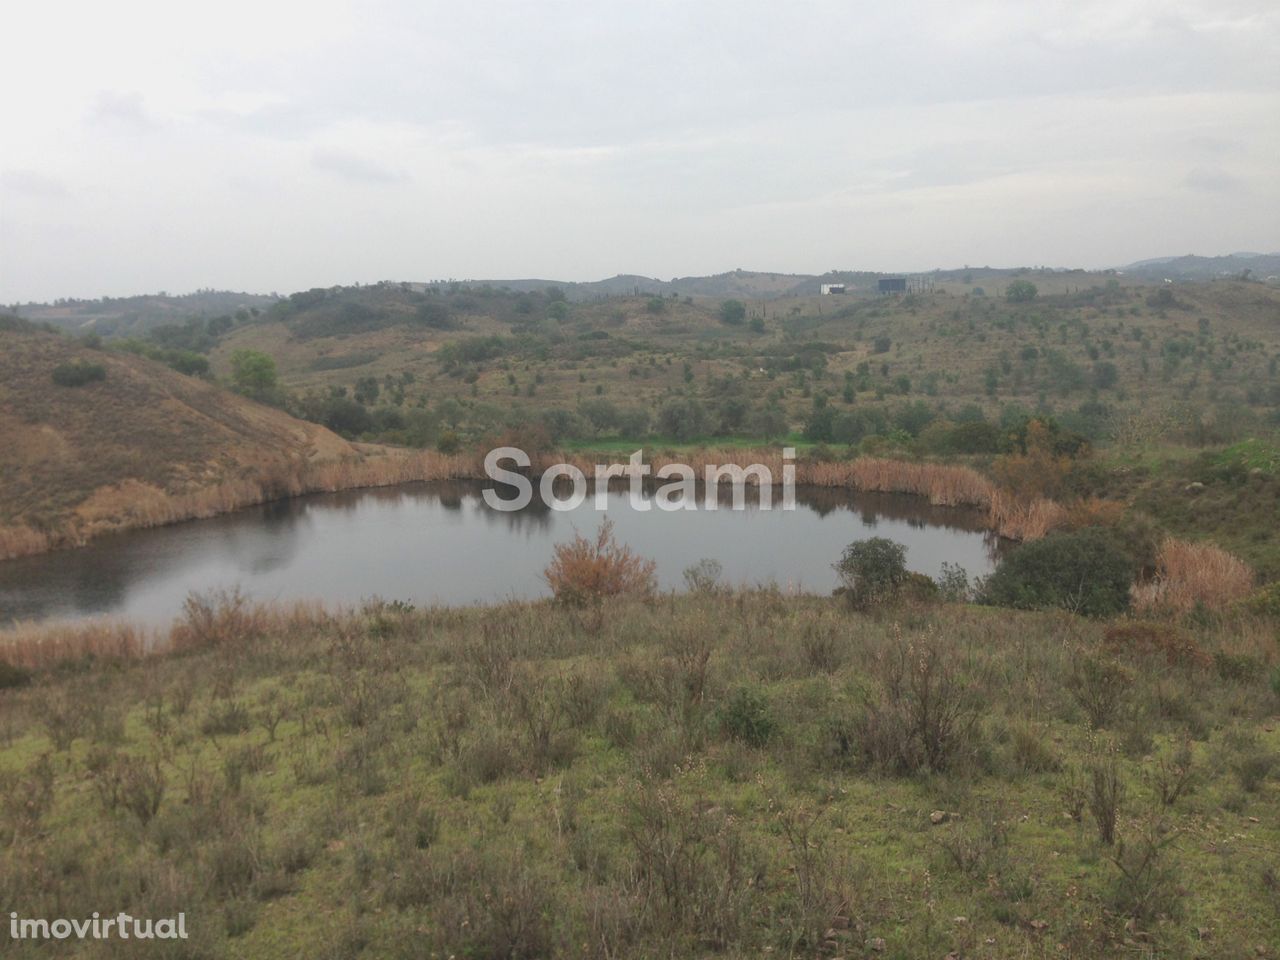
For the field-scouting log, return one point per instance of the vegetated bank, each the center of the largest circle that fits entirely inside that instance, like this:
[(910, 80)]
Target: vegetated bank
[(720, 773)]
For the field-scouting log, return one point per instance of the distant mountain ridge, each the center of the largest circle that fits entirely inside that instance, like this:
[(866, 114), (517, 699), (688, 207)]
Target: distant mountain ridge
[(135, 315), (1192, 268)]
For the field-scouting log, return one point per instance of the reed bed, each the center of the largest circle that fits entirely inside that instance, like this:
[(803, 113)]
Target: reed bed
[(1192, 575), (1017, 518), (20, 540), (37, 646), (1011, 516), (133, 504), (221, 619)]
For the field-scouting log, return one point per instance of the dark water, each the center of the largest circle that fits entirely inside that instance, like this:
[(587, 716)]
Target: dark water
[(439, 542)]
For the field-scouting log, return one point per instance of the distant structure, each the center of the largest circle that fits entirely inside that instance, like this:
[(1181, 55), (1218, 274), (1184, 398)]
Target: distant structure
[(890, 285), (830, 288)]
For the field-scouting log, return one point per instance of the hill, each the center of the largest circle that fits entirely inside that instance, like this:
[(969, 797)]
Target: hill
[(131, 316), (476, 359), (1189, 269), (134, 443)]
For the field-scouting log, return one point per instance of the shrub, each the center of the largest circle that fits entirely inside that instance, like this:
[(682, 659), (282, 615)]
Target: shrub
[(77, 373), (12, 676), (1147, 885), (1105, 796), (584, 572), (1021, 291), (733, 312), (953, 583), (926, 714), (1084, 572), (746, 716), (1100, 686), (703, 576), (872, 570)]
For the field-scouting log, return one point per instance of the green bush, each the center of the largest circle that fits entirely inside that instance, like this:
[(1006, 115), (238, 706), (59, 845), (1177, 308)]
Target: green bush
[(872, 570), (77, 373), (1085, 572), (746, 716)]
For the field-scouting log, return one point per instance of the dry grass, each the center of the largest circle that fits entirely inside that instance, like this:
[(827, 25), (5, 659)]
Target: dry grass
[(1191, 575), (21, 540), (1019, 519), (38, 646), (133, 504), (207, 622)]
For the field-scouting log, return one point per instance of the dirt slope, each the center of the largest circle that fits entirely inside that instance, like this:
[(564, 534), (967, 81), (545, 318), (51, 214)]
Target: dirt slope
[(144, 445)]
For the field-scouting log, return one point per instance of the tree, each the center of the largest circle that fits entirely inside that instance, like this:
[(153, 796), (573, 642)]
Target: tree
[(872, 570), (602, 414), (253, 372), (733, 312), (1084, 572), (770, 422), (1021, 291), (683, 418)]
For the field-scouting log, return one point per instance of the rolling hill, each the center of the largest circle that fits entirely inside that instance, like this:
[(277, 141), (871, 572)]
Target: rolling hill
[(134, 444)]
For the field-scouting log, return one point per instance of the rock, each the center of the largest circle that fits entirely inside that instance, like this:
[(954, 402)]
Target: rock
[(1038, 925), (938, 816), (1195, 487)]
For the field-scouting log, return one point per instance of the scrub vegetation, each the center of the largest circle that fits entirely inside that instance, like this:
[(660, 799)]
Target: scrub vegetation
[(723, 773)]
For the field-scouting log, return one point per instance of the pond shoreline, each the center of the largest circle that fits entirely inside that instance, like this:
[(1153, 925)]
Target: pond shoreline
[(132, 506)]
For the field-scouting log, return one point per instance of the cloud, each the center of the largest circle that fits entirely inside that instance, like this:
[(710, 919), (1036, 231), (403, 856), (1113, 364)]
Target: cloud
[(123, 112), (1212, 180), (32, 184), (355, 169)]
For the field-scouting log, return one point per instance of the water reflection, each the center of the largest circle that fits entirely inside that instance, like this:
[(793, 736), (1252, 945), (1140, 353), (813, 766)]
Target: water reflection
[(439, 542)]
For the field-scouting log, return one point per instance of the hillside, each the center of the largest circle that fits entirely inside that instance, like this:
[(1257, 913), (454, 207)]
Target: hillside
[(1190, 268), (1084, 346), (131, 316), (131, 447)]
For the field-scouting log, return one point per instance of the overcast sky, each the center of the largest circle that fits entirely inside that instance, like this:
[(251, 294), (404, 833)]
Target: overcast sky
[(276, 146)]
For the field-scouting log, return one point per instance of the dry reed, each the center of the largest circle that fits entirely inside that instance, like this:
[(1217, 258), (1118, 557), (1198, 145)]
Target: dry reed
[(215, 620), (38, 646), (133, 504), (1191, 575)]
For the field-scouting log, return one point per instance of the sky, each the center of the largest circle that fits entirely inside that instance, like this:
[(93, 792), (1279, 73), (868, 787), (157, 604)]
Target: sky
[(267, 146)]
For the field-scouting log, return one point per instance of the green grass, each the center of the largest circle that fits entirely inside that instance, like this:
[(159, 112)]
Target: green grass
[(529, 781), (620, 446)]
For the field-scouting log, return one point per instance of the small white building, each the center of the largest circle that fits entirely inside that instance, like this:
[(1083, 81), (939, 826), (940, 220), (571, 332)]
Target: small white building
[(830, 288)]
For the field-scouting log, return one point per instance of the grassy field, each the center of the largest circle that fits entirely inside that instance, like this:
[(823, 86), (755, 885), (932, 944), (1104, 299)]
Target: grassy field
[(718, 774)]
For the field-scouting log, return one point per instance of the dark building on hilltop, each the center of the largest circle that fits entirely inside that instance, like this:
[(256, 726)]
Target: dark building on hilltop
[(893, 285)]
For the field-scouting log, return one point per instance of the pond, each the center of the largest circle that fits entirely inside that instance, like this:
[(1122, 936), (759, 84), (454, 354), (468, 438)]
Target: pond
[(440, 543)]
